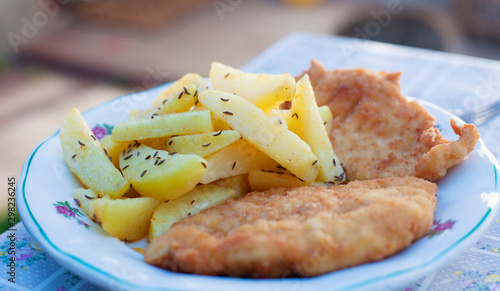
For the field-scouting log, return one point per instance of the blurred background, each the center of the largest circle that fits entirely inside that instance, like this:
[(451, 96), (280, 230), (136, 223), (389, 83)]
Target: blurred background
[(59, 54)]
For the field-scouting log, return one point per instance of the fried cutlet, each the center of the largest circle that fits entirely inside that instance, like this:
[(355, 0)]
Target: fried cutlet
[(377, 133), (304, 231)]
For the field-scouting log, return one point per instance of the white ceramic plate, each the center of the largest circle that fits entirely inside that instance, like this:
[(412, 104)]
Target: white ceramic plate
[(467, 201)]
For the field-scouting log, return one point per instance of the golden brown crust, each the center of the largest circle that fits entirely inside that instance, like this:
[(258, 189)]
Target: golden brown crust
[(435, 163), (303, 231), (376, 132)]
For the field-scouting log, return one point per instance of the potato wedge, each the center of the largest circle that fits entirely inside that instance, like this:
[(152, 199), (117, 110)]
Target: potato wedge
[(86, 158), (238, 183), (113, 149), (158, 174), (326, 117), (284, 114), (82, 198), (201, 144), (163, 125), (182, 103), (308, 125), (178, 86), (218, 123), (324, 111), (238, 158), (200, 198), (268, 134), (126, 219), (116, 148), (263, 180), (156, 143), (264, 90)]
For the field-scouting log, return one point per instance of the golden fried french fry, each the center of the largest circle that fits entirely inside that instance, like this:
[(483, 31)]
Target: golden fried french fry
[(126, 219), (266, 91), (159, 174), (308, 125), (86, 158), (268, 134), (201, 144), (200, 198), (178, 88), (263, 180), (237, 158), (163, 125)]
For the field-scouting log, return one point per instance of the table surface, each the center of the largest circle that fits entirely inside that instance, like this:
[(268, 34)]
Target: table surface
[(449, 81)]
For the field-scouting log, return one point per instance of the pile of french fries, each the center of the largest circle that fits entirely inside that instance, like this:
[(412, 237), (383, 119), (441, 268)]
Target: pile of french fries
[(197, 147)]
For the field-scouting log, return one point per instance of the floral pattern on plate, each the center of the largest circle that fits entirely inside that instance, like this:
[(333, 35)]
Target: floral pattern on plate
[(439, 227), (68, 211), (102, 130)]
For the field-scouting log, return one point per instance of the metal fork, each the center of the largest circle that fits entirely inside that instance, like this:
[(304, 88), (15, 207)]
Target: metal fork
[(480, 115)]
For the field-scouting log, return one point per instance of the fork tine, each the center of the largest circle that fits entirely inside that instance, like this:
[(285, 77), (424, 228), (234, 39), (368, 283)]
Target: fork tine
[(486, 117), (482, 114)]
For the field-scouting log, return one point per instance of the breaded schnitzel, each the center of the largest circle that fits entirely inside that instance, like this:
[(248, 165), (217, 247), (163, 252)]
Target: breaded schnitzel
[(377, 133), (304, 231)]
